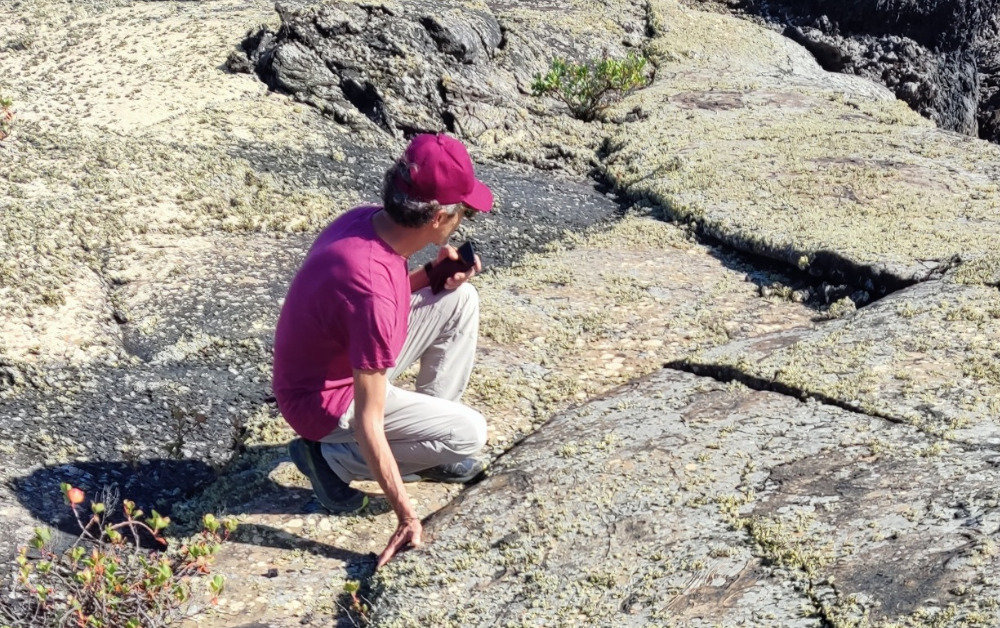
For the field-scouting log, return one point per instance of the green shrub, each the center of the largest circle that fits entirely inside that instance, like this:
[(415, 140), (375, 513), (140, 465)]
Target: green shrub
[(6, 116), (590, 87), (106, 579)]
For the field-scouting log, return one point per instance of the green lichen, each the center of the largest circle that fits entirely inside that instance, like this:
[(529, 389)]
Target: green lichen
[(780, 169)]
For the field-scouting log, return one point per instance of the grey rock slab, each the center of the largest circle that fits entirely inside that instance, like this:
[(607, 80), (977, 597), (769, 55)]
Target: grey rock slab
[(682, 500), (897, 531), (926, 355), (761, 148)]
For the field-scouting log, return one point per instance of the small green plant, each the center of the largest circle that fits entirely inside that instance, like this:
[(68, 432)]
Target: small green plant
[(6, 116), (357, 607), (106, 579), (590, 87)]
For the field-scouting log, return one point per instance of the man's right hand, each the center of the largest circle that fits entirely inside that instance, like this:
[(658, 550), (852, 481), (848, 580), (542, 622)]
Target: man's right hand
[(407, 535)]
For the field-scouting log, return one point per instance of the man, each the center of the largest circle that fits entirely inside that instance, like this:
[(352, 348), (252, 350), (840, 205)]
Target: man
[(354, 318)]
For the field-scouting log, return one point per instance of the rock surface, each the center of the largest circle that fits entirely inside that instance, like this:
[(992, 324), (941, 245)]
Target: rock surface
[(824, 171), (414, 66), (940, 57), (682, 501), (158, 205), (926, 355)]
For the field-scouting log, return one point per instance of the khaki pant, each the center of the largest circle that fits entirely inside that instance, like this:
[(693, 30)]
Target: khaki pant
[(428, 427)]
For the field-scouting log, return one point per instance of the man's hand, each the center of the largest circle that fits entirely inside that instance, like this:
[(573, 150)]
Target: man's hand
[(449, 252), (407, 535)]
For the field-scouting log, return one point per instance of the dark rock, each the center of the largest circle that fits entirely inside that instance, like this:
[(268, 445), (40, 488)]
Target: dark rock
[(238, 63), (940, 57), (424, 67), (10, 376), (468, 36)]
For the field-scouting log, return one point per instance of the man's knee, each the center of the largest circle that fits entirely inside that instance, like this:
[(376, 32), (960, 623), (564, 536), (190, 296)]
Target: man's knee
[(468, 297), (468, 292), (470, 436)]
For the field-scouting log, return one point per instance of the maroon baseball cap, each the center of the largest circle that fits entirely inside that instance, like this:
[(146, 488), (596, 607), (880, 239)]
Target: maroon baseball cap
[(441, 170)]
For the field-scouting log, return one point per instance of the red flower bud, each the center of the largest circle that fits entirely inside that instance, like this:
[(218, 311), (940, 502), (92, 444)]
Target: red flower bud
[(75, 496)]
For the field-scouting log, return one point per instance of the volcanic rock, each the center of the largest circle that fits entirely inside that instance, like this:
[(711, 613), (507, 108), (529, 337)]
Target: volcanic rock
[(940, 57)]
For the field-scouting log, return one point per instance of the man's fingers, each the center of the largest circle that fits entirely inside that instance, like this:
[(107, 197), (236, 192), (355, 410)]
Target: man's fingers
[(383, 558), (447, 252), (386, 555), (402, 539), (390, 549), (479, 264)]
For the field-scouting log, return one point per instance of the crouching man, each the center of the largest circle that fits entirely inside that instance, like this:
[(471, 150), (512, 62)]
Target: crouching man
[(354, 318)]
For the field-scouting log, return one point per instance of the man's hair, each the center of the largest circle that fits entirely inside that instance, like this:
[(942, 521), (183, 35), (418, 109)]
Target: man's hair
[(406, 211)]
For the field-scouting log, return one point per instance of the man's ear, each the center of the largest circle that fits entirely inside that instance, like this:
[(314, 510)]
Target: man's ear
[(440, 217)]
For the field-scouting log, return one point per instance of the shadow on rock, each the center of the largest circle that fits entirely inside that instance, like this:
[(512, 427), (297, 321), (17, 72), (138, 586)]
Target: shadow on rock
[(180, 488), (151, 484), (269, 536)]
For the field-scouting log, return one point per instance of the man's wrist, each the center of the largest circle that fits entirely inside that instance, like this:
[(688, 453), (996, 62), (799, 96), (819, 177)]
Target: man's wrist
[(406, 513)]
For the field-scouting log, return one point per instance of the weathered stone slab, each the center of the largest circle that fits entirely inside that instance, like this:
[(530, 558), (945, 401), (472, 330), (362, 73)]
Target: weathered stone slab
[(682, 500), (926, 355), (764, 150)]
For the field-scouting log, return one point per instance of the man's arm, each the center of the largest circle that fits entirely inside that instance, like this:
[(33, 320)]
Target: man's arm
[(419, 279), (369, 430)]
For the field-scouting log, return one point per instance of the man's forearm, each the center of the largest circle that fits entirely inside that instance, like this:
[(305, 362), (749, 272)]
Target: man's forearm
[(369, 430), (375, 449)]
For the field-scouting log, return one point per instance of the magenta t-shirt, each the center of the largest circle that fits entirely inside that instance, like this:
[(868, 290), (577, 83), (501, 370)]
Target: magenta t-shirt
[(347, 308)]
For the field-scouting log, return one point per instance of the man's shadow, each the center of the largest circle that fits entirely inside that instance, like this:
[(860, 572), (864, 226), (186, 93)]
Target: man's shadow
[(159, 484)]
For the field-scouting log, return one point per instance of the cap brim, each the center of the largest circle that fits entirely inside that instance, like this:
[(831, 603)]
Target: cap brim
[(480, 198)]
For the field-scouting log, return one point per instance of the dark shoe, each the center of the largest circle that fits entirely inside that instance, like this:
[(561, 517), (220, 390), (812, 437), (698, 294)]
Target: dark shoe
[(460, 472), (333, 493)]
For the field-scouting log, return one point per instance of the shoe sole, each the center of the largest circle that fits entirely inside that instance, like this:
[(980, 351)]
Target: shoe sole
[(302, 462)]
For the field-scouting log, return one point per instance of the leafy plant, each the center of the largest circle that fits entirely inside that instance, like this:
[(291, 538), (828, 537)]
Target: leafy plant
[(355, 606), (6, 116), (106, 579), (590, 87)]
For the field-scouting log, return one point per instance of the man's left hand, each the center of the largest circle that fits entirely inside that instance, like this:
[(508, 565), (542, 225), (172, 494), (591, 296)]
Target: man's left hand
[(449, 252)]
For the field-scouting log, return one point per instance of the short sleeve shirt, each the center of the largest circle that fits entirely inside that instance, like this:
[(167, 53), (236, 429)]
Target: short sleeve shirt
[(347, 308)]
